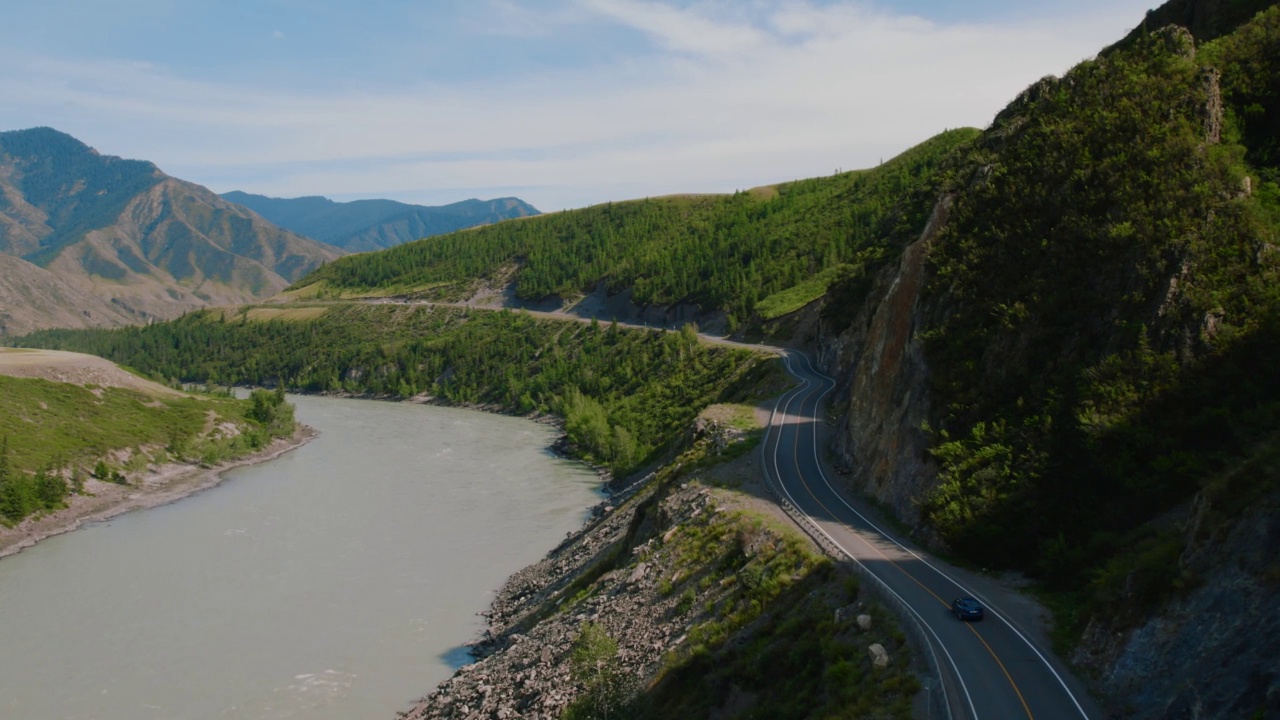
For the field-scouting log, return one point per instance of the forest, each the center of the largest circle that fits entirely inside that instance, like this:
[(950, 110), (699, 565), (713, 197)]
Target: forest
[(624, 395), (727, 252), (1112, 311)]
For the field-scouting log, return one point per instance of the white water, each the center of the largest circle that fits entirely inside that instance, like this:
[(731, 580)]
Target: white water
[(338, 581)]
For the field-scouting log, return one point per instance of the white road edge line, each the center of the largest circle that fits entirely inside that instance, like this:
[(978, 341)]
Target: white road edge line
[(920, 621), (1000, 615)]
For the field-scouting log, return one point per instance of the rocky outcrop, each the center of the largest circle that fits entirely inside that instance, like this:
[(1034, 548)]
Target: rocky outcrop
[(884, 379), (1209, 655)]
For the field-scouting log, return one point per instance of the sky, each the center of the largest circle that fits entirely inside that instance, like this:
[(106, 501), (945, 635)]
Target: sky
[(563, 103)]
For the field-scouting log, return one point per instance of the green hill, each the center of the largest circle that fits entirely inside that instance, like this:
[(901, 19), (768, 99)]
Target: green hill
[(55, 434), (1110, 300), (721, 252)]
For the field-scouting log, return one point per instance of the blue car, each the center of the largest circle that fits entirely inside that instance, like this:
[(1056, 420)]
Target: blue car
[(966, 608)]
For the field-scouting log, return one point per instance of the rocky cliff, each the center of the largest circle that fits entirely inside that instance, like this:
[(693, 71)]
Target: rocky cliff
[(884, 397)]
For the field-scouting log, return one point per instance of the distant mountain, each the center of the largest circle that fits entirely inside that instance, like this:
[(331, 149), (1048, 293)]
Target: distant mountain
[(365, 225), (123, 231)]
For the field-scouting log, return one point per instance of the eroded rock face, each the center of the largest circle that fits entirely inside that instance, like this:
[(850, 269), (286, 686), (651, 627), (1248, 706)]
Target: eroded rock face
[(880, 360)]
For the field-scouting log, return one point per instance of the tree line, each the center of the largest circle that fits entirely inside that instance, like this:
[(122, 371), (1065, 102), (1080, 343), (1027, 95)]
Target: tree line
[(624, 394), (720, 252)]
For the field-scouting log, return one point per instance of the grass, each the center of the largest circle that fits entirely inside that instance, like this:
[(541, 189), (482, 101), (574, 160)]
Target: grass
[(795, 297), (291, 314), (736, 415), (47, 422)]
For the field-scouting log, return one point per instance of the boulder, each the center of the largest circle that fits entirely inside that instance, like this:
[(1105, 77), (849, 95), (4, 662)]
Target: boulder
[(879, 656)]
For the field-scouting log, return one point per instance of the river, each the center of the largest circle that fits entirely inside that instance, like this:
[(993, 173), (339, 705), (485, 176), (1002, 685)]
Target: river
[(337, 581)]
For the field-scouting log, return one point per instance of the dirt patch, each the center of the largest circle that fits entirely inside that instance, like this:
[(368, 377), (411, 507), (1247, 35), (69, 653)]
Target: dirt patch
[(158, 486), (302, 314), (76, 369), (764, 192)]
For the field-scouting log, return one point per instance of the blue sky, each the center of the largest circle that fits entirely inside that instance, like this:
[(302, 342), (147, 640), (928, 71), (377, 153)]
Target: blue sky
[(564, 103)]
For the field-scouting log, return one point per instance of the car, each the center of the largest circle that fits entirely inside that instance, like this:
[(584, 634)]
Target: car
[(966, 608)]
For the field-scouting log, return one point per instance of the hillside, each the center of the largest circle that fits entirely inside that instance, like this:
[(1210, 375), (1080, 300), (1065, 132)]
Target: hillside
[(776, 246), (125, 232), (1067, 373), (32, 298), (82, 438), (367, 225), (1054, 341)]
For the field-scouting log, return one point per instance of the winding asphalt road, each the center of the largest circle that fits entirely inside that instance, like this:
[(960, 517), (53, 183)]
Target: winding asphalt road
[(992, 669)]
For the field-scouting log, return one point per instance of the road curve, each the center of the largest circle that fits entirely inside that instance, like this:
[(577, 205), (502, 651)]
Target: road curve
[(991, 670)]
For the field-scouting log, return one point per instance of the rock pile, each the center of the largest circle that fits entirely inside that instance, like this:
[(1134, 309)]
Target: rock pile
[(607, 573)]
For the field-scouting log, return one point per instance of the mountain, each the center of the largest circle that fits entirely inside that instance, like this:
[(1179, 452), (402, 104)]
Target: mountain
[(125, 232), (1069, 370), (32, 298), (1054, 344), (365, 225)]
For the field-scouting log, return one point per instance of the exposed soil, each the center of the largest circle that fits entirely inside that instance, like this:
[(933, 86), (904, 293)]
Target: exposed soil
[(75, 368)]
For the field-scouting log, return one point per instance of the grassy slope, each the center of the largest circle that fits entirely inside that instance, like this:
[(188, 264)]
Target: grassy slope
[(721, 252), (48, 427)]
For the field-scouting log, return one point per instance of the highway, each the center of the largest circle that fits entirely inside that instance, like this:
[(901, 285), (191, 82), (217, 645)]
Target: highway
[(990, 669)]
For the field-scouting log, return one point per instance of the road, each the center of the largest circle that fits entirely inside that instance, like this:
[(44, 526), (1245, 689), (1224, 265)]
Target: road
[(991, 669)]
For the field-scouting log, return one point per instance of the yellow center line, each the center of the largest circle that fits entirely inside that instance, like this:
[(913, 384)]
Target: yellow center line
[(800, 474)]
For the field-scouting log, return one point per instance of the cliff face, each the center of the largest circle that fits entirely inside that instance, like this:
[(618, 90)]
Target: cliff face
[(1210, 653), (879, 359)]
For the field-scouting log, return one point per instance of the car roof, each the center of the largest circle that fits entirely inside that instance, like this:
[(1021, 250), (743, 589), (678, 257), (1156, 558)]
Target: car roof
[(965, 601)]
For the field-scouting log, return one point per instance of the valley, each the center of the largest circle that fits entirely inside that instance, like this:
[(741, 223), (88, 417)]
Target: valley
[(1029, 364)]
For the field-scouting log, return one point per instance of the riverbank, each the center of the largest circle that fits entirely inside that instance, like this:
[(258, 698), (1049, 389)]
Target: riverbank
[(160, 486)]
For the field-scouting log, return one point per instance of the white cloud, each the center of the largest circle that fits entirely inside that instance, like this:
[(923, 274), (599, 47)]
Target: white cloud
[(682, 30), (795, 90), (278, 35)]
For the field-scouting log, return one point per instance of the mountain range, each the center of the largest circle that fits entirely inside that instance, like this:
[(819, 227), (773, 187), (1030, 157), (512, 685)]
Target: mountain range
[(146, 244), (366, 225)]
